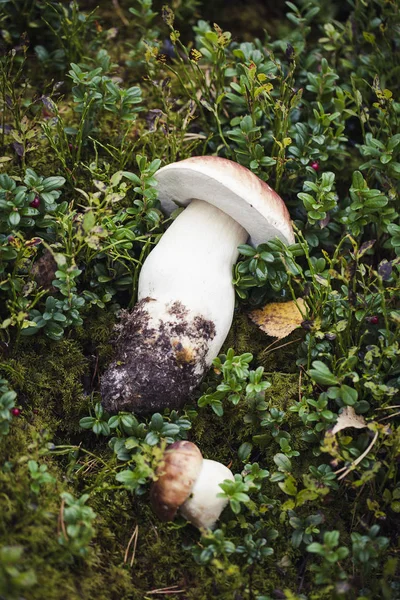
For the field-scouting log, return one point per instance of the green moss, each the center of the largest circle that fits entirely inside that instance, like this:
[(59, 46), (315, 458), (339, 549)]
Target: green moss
[(160, 560), (54, 382), (55, 379), (48, 379), (96, 335)]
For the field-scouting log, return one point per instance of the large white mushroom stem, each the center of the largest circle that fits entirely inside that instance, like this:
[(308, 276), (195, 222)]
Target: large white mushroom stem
[(185, 310)]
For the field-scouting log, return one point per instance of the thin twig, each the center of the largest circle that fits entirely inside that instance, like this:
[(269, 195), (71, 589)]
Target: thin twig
[(95, 371), (171, 589), (272, 344), (134, 546), (389, 416), (340, 470), (88, 466), (194, 136), (61, 524), (300, 382), (282, 346), (358, 460), (119, 12), (134, 536)]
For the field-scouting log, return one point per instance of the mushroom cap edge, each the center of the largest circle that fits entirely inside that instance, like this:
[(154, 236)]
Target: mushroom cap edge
[(233, 189)]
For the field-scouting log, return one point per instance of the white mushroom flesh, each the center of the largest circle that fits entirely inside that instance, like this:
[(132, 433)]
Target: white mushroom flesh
[(192, 265), (204, 507)]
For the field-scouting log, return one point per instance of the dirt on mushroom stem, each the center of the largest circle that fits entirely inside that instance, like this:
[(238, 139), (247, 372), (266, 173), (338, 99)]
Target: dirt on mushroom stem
[(166, 343), (152, 369)]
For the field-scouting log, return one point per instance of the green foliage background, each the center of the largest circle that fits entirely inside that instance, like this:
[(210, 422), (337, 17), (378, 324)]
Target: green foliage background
[(93, 101)]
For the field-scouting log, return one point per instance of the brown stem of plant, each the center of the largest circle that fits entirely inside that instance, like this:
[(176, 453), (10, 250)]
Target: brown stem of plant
[(119, 12), (61, 524), (134, 539), (358, 460)]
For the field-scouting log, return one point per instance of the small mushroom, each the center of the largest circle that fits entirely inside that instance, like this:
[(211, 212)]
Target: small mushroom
[(186, 297), (189, 482)]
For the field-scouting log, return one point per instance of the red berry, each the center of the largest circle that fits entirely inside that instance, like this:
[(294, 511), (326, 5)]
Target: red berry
[(315, 165), (373, 320), (35, 202), (16, 412)]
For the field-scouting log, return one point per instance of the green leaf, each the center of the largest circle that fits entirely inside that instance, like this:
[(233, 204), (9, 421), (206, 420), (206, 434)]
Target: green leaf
[(87, 422), (48, 199), (297, 537), (289, 486), (152, 438), (156, 422), (132, 177), (348, 395), (105, 429), (283, 462), (235, 506), (6, 183), (358, 181), (126, 477), (31, 178), (89, 221), (241, 497), (305, 496), (217, 407), (8, 397), (245, 451), (315, 547), (54, 331), (97, 429), (331, 538), (14, 218), (321, 374), (247, 250), (53, 183), (99, 410), (376, 202)]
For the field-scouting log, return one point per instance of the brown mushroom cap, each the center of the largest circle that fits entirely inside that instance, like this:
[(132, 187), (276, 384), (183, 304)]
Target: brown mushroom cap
[(230, 187), (182, 465)]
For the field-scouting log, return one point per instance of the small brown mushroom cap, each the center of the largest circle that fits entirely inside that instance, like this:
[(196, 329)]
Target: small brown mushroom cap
[(181, 467)]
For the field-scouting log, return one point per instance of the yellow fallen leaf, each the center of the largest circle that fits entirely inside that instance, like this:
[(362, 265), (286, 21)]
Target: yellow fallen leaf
[(279, 319), (348, 418)]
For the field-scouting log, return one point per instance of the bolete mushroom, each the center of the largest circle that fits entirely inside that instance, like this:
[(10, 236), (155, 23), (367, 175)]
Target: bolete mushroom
[(189, 483), (185, 295)]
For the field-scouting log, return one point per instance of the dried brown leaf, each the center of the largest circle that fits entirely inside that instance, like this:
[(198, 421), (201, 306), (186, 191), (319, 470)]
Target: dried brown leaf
[(279, 319), (348, 418)]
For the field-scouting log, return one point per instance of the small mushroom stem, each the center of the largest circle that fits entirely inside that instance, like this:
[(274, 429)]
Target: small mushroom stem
[(185, 310), (204, 506)]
